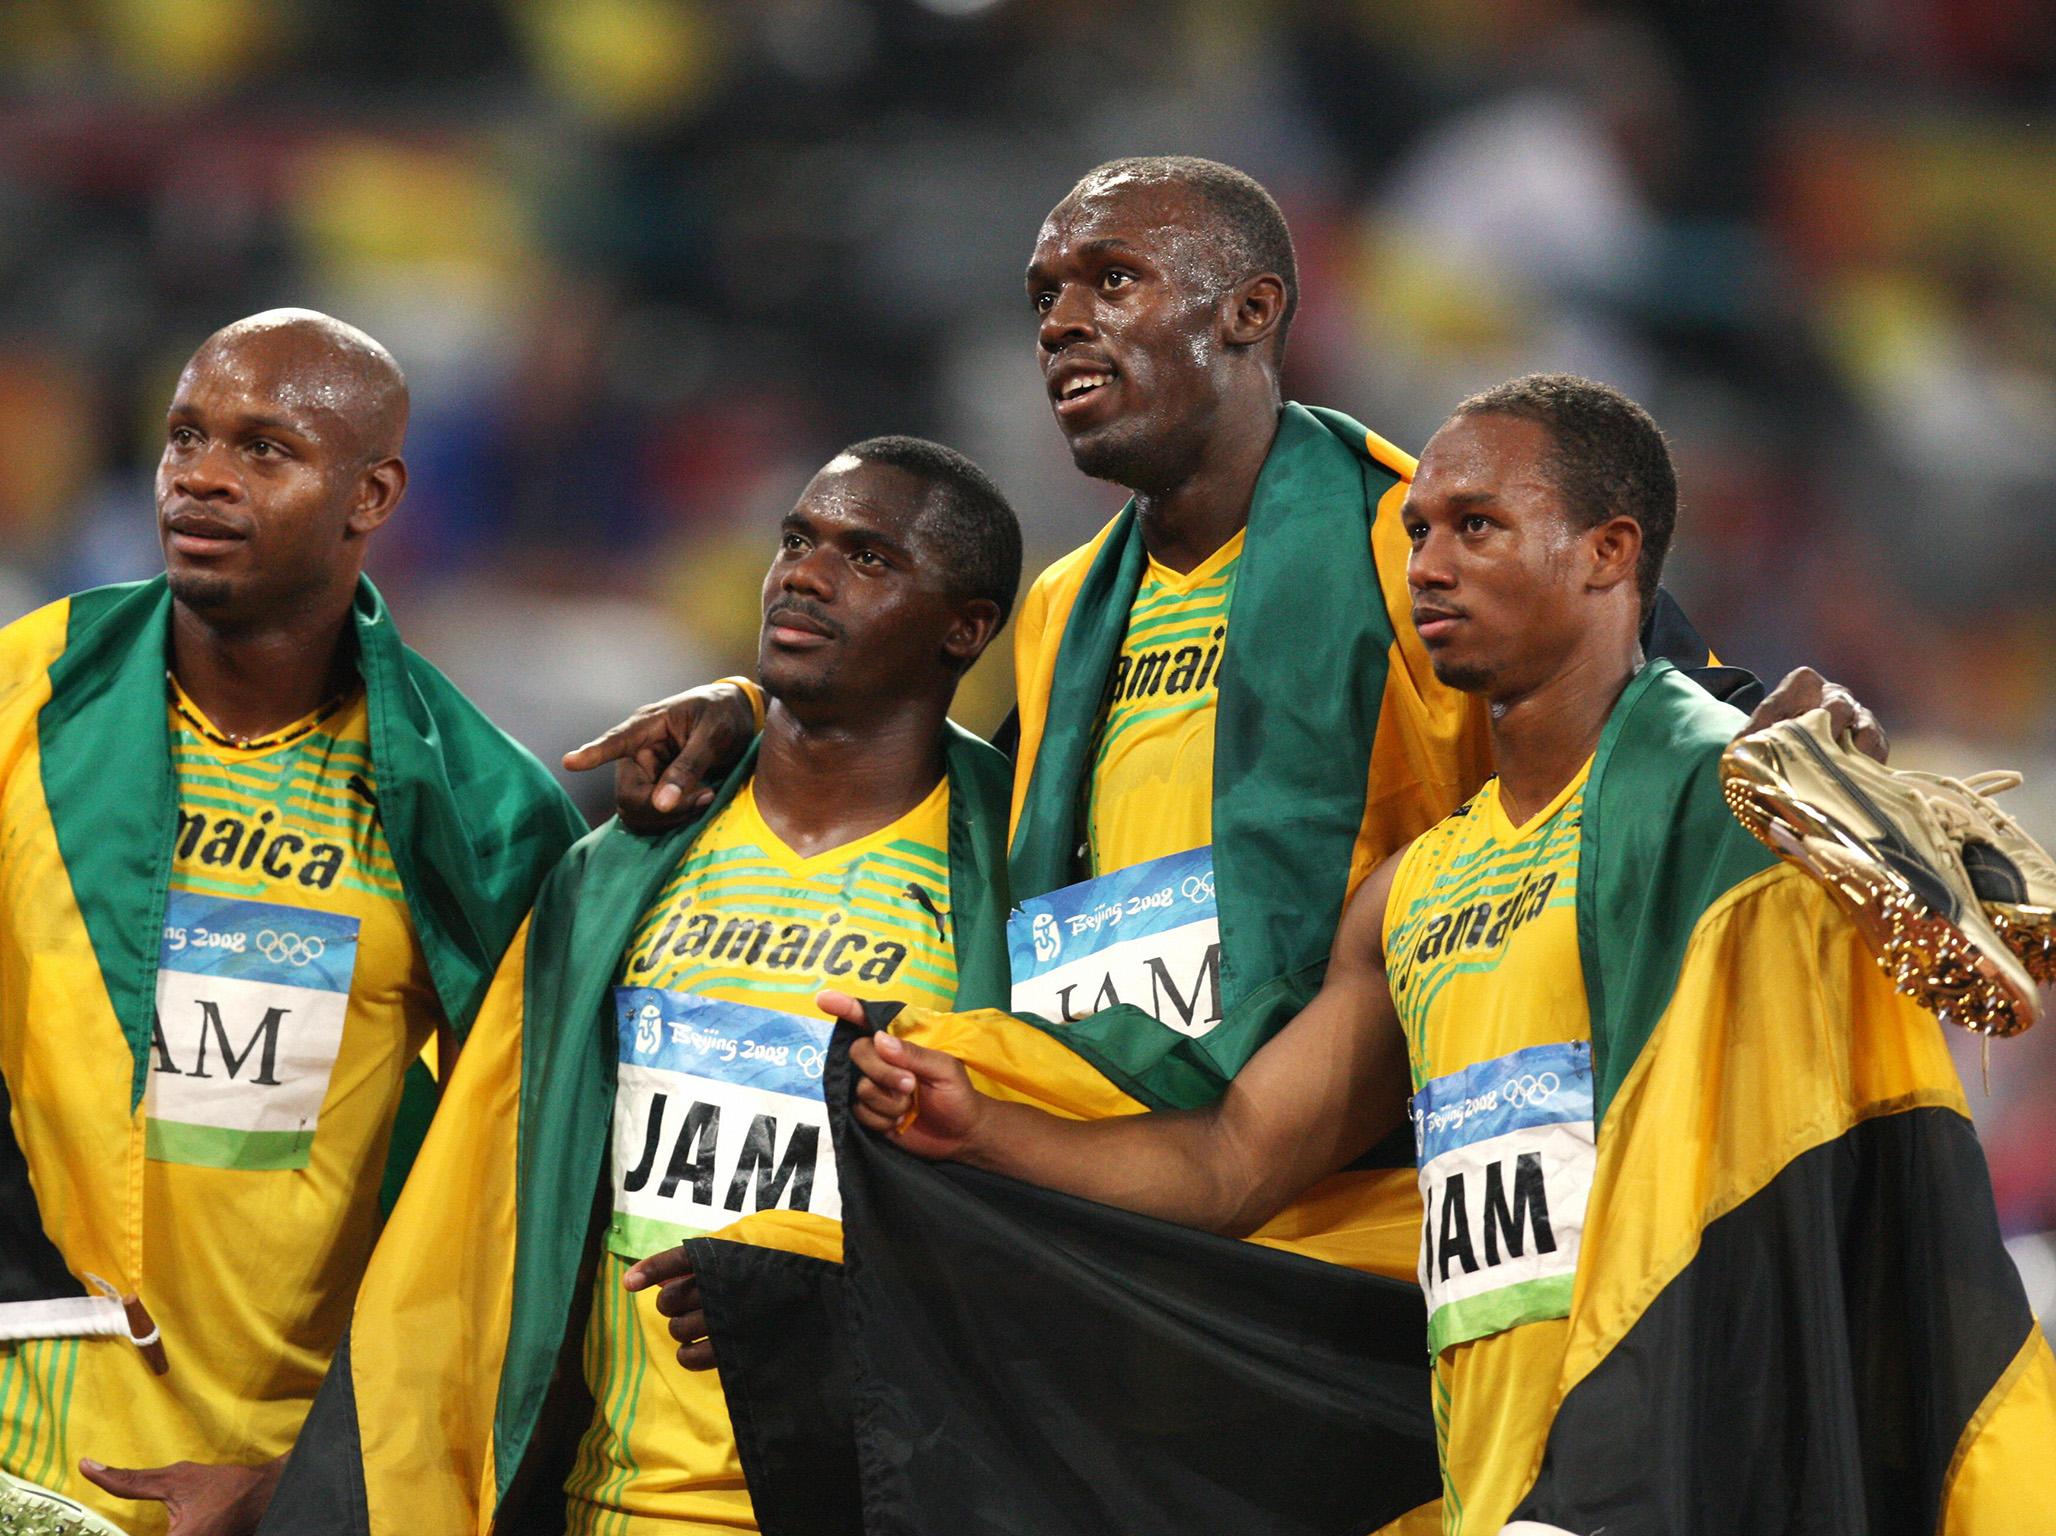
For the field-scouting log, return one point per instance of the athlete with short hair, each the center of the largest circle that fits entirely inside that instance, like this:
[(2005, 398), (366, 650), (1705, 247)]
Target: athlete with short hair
[(1685, 1159), (239, 893), (657, 1019)]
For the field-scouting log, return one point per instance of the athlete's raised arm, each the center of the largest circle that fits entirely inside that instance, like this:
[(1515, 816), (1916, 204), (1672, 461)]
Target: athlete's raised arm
[(1330, 1084)]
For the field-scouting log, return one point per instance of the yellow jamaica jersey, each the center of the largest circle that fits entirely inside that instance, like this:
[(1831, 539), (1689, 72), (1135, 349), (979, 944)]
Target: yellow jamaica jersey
[(1152, 789), (718, 1114), (1481, 949), (291, 998)]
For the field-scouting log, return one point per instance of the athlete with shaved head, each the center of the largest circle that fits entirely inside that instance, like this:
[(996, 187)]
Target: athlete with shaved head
[(238, 896)]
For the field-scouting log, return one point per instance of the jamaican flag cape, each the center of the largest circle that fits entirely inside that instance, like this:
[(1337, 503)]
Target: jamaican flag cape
[(1791, 1310), (439, 1414), (87, 816)]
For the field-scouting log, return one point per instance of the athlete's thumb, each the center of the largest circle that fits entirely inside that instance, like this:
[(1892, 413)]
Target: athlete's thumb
[(840, 1005), (129, 1482)]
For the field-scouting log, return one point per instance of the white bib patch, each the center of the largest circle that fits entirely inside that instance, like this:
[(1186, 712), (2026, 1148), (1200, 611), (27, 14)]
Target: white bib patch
[(1147, 935), (718, 1114), (1506, 1154), (251, 998)]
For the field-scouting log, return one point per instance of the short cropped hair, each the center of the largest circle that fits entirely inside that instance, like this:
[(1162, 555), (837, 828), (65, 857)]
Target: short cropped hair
[(968, 520), (1253, 233), (1609, 457)]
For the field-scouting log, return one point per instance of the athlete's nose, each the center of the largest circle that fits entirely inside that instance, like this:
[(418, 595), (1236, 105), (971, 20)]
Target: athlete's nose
[(1068, 318), (1427, 565), (810, 573), (205, 475)]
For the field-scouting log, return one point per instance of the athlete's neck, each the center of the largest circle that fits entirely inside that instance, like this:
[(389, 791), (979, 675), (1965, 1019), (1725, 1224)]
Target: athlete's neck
[(251, 682), (1207, 504), (825, 779), (1541, 736)]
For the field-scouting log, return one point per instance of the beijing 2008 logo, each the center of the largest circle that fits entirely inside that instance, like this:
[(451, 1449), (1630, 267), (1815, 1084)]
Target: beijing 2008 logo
[(1530, 1089), (289, 948), (1047, 940)]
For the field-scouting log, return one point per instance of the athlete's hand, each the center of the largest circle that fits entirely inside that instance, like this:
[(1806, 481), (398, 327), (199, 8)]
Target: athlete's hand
[(202, 1500), (666, 753), (1806, 689), (916, 1098), (679, 1300)]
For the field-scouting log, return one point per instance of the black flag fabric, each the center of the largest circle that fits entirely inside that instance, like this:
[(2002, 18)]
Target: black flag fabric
[(996, 1358)]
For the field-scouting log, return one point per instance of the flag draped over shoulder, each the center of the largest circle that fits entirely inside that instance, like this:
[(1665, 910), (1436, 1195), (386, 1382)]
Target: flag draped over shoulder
[(1328, 754), (438, 1414), (1792, 1309), (89, 809)]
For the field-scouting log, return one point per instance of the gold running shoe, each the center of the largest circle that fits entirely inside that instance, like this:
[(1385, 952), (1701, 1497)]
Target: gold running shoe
[(2014, 878), (1910, 857), (27, 1509)]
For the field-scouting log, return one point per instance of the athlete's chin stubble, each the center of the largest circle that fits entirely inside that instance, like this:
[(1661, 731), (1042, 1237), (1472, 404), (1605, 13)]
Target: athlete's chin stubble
[(1464, 678), (794, 683), (1114, 454), (200, 592)]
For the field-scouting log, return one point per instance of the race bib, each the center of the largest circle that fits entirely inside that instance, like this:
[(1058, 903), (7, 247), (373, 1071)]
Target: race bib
[(718, 1114), (1146, 935), (1506, 1157), (250, 1004)]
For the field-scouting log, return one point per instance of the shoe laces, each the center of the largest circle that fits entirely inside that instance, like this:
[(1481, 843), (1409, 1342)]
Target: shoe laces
[(1964, 811)]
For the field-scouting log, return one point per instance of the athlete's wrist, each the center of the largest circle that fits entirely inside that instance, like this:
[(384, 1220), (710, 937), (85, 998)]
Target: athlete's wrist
[(994, 1135), (748, 693)]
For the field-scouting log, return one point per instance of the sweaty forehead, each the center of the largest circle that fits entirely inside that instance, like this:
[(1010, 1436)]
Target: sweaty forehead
[(303, 376), (860, 493), (1151, 214), (1485, 454)]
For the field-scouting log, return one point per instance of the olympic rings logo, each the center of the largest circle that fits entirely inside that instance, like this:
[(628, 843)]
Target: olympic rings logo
[(1520, 1092), (289, 948), (1198, 887)]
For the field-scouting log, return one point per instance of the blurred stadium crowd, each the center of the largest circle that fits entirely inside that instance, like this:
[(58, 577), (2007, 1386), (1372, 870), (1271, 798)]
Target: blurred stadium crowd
[(648, 262)]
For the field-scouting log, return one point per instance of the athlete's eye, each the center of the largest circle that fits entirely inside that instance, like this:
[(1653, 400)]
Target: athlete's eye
[(1477, 522), (1116, 278), (1415, 532), (184, 437), (1043, 301), (792, 544), (265, 448), (869, 558)]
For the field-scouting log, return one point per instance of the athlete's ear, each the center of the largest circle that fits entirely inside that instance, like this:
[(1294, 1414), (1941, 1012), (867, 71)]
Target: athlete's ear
[(379, 490), (977, 621), (1255, 309), (1616, 547)]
